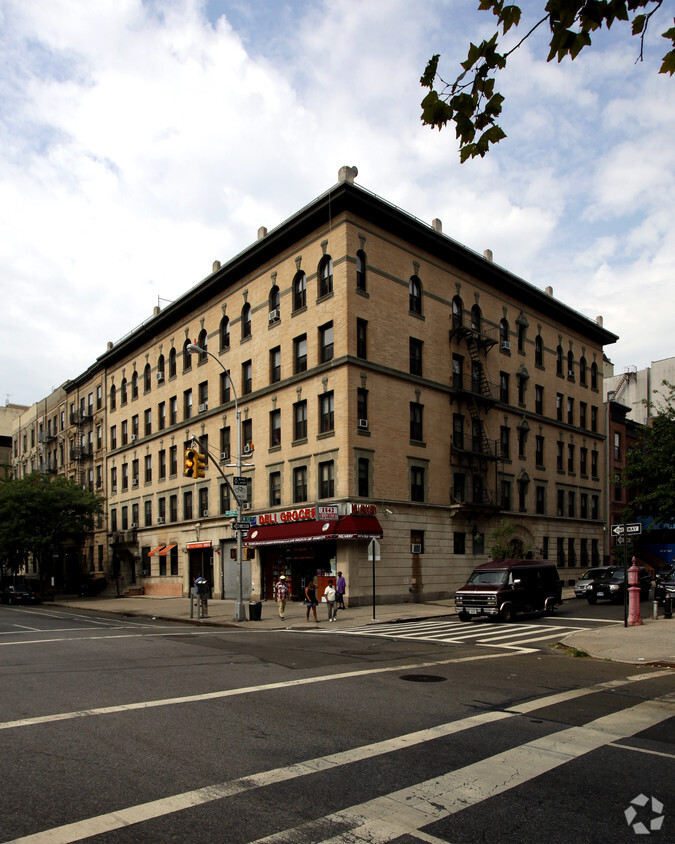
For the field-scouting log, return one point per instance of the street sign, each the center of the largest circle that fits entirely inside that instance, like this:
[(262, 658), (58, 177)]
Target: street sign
[(633, 529), (374, 549), (241, 525), (229, 514), (237, 481)]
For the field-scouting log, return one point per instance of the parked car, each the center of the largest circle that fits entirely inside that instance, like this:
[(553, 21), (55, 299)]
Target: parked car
[(611, 585), (664, 587), (665, 572), (583, 584), (503, 588), (18, 595)]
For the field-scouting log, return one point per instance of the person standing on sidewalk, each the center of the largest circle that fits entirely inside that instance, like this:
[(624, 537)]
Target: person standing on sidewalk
[(341, 589), (310, 599), (330, 595), (281, 591)]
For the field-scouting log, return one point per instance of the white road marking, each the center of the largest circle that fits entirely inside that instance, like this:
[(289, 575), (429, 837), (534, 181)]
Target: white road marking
[(407, 810), (106, 636), (553, 750)]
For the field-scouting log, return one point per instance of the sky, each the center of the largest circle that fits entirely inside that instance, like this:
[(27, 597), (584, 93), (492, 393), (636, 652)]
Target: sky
[(140, 140)]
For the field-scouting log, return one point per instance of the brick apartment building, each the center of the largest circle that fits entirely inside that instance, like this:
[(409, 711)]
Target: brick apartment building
[(391, 384)]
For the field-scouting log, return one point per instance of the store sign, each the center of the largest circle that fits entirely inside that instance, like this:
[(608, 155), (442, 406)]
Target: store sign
[(329, 513), (303, 514), (362, 509), (190, 545)]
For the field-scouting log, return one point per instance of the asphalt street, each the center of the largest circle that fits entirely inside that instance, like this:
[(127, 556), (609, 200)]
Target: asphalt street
[(134, 729)]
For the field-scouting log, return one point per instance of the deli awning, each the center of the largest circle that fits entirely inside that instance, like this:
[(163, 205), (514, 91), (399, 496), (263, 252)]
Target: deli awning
[(309, 531), (166, 550), (358, 527), (155, 550), (348, 527)]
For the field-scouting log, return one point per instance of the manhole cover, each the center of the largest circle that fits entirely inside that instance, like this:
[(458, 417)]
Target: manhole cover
[(423, 678)]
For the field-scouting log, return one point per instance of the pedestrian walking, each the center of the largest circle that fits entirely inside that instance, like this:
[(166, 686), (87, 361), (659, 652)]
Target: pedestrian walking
[(341, 588), (281, 593), (330, 595), (310, 599)]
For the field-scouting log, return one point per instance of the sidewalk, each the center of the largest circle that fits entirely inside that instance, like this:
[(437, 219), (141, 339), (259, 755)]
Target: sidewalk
[(653, 642)]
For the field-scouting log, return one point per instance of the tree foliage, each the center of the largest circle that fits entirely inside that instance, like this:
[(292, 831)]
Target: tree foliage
[(39, 513), (471, 102), (649, 473), (506, 544)]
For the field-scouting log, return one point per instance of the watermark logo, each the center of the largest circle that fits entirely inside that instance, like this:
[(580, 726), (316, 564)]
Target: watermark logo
[(641, 820)]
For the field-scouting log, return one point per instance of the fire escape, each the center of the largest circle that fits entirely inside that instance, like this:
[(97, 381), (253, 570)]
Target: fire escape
[(474, 455)]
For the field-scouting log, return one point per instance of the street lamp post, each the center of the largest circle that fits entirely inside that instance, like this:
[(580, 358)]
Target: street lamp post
[(239, 610)]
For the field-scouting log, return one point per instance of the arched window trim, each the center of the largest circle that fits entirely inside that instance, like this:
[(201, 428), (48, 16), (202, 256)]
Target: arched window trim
[(299, 291), (476, 319), (273, 299), (325, 276), (187, 357), (361, 270), (538, 350), (224, 334), (559, 354), (147, 378), (246, 329), (504, 335), (457, 312), (172, 363), (415, 295), (582, 371), (202, 342)]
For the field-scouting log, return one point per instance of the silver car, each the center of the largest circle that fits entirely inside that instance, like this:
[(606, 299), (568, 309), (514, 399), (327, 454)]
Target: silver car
[(585, 581)]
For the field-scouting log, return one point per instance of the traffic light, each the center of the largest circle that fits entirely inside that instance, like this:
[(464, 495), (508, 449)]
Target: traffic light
[(190, 463), (200, 465)]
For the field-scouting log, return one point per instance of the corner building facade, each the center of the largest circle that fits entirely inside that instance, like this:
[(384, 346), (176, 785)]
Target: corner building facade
[(392, 385)]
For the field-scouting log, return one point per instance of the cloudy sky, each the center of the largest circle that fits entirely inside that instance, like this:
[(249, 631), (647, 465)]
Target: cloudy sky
[(142, 139)]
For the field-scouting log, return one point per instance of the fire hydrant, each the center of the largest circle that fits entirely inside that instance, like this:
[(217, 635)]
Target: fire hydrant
[(634, 595)]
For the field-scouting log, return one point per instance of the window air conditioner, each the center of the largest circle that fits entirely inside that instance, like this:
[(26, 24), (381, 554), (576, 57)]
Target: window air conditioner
[(114, 489), (203, 407), (246, 506), (505, 346), (135, 482), (363, 423), (273, 316), (416, 548), (160, 377), (224, 455), (160, 520), (205, 514), (248, 448)]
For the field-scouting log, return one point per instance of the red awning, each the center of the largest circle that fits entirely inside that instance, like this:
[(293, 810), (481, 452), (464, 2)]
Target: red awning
[(358, 527), (349, 527), (294, 532), (166, 550), (155, 550)]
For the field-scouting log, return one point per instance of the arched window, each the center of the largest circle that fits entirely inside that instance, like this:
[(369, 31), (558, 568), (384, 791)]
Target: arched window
[(570, 364), (224, 334), (594, 376), (559, 361), (415, 295), (172, 363), (134, 385), (457, 312), (273, 300), (160, 368), (504, 336), (361, 270), (147, 378), (582, 371), (245, 321), (124, 391), (538, 350), (325, 276), (113, 397), (202, 341), (299, 291), (476, 319), (187, 357)]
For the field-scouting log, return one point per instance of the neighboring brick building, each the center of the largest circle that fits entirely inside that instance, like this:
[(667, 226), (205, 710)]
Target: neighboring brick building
[(391, 383)]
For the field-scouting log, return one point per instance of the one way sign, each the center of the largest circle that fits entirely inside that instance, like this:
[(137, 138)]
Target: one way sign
[(632, 529)]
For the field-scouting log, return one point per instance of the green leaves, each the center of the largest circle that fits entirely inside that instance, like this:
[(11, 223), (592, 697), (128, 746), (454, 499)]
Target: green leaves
[(471, 103)]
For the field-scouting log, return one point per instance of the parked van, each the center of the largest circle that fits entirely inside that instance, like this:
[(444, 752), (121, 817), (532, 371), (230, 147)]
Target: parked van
[(503, 588)]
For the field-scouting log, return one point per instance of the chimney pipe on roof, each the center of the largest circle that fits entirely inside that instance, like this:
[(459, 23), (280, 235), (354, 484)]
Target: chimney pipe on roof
[(437, 225), (487, 254), (262, 232), (216, 266), (549, 291), (347, 174)]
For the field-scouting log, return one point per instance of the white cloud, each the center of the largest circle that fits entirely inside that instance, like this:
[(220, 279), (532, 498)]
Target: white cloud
[(141, 140)]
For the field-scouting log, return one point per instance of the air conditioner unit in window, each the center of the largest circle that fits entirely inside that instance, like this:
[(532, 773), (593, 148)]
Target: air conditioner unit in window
[(160, 377), (505, 346), (205, 514), (246, 506), (224, 455), (363, 423), (416, 548), (203, 407), (160, 520), (135, 482), (273, 316), (248, 448)]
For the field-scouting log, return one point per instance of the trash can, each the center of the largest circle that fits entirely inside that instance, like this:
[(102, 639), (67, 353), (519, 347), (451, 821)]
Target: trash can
[(255, 610)]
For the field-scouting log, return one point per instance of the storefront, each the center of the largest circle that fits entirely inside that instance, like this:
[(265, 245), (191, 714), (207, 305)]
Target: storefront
[(308, 543)]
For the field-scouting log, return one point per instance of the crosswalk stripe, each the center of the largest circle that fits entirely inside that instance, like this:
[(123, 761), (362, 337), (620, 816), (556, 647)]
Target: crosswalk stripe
[(401, 812)]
